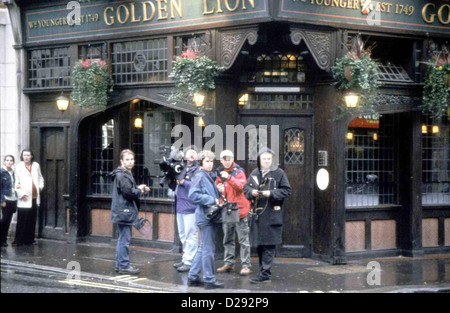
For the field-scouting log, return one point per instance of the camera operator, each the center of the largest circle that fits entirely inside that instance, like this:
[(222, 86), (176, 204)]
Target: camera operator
[(267, 187), (204, 193), (230, 182), (185, 210), (124, 211)]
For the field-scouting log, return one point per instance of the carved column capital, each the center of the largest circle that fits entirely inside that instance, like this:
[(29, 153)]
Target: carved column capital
[(231, 43), (319, 44)]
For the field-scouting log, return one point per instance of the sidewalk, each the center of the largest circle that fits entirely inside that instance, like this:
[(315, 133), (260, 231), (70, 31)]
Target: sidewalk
[(400, 274)]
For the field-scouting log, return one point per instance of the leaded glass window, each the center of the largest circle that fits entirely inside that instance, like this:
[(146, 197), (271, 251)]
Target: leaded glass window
[(140, 61), (276, 101), (294, 146), (149, 142), (370, 161), (102, 159), (435, 160), (49, 68)]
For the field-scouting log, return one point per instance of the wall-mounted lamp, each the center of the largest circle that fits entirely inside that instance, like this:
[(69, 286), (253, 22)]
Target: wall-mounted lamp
[(349, 136), (352, 99), (435, 129), (201, 123), (138, 122), (199, 99), (62, 102), (424, 129), (243, 100)]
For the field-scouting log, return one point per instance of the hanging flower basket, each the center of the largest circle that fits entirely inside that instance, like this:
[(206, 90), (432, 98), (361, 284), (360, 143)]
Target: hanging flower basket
[(356, 73), (436, 90), (91, 82), (192, 74)]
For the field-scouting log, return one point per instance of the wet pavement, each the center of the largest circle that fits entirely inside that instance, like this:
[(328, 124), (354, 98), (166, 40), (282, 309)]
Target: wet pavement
[(399, 274)]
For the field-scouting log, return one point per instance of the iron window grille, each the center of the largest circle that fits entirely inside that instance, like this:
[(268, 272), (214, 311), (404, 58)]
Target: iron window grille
[(294, 146), (147, 141), (370, 162), (274, 68), (143, 61), (435, 160), (49, 68), (102, 161), (392, 73)]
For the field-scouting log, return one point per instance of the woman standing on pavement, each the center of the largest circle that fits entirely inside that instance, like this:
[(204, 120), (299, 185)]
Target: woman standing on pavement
[(8, 197), (204, 193), (29, 185)]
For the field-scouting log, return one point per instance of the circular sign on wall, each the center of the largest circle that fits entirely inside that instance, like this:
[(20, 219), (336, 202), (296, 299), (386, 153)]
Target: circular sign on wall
[(323, 179)]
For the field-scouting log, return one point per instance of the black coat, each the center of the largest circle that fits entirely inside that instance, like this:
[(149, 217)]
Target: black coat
[(125, 194), (266, 226)]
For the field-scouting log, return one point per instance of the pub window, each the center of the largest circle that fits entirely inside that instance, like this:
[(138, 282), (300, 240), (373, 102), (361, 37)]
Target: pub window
[(435, 160), (197, 42), (274, 68), (302, 101), (92, 51), (102, 159), (370, 161), (294, 146), (149, 141), (140, 61), (49, 68)]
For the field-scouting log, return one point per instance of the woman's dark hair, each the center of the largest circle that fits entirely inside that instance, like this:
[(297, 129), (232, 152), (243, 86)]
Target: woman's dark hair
[(27, 150), (9, 156)]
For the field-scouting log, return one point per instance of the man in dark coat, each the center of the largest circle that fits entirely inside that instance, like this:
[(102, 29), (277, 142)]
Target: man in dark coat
[(267, 187), (124, 211)]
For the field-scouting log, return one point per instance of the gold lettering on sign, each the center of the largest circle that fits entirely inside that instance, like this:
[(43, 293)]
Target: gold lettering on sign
[(109, 20), (133, 14), (236, 5), (145, 12), (251, 2), (176, 6), (430, 18), (442, 15), (162, 8), (119, 16)]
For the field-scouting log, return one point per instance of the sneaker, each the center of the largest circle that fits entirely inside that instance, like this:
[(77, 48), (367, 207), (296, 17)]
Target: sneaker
[(245, 271), (214, 285), (225, 269), (260, 280), (195, 283), (179, 264), (129, 270), (184, 268)]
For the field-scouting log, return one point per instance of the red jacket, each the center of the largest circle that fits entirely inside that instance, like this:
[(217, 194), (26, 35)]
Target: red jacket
[(234, 186)]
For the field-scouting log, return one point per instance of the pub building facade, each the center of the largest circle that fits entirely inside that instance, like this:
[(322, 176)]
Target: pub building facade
[(370, 185)]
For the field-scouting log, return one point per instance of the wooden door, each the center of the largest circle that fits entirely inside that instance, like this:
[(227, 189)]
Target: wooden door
[(295, 158), (53, 165)]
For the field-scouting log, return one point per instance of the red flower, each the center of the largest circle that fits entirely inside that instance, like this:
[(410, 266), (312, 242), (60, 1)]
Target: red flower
[(86, 63), (102, 64), (189, 54)]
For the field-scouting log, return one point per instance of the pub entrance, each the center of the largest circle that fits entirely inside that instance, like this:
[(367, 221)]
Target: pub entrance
[(294, 142)]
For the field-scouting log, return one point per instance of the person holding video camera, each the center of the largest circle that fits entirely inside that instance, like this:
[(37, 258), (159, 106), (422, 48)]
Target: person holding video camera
[(267, 187), (124, 211), (187, 229), (203, 193), (230, 182)]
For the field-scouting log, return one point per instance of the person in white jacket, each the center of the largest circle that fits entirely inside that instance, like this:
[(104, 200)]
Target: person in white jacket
[(29, 185)]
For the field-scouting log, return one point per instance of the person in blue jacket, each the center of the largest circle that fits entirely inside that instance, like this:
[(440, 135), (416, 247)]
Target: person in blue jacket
[(187, 229), (204, 193)]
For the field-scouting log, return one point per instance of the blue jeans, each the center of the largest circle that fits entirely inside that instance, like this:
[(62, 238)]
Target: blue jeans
[(187, 229), (204, 258), (122, 254)]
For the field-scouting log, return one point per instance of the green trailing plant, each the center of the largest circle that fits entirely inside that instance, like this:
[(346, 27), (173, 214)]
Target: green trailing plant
[(192, 74), (435, 90), (91, 82)]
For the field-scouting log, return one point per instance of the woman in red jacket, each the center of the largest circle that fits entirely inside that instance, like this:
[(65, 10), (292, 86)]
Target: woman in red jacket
[(230, 182)]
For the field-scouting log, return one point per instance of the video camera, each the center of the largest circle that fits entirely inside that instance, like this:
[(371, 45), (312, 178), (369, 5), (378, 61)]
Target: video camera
[(172, 167)]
